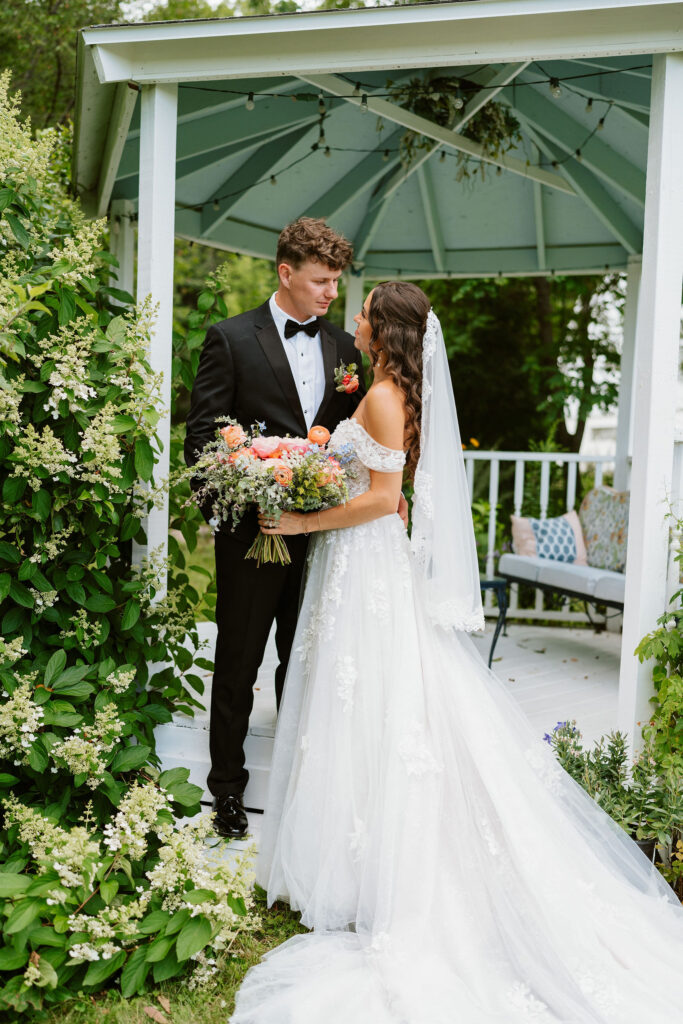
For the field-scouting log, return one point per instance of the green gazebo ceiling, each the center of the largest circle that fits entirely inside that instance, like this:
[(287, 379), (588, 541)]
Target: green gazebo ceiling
[(570, 198)]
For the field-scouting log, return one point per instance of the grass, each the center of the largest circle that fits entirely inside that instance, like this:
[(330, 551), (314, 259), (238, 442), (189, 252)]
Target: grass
[(204, 1006)]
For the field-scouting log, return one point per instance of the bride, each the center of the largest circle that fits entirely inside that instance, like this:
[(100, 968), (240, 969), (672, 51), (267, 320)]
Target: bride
[(451, 872)]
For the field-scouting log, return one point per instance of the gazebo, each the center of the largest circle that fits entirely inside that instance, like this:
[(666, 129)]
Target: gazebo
[(221, 131)]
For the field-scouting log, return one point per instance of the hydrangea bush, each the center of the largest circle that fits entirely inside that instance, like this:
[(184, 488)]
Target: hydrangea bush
[(98, 881)]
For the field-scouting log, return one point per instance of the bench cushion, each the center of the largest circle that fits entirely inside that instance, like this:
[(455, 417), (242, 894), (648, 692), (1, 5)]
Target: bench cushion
[(595, 584), (604, 519)]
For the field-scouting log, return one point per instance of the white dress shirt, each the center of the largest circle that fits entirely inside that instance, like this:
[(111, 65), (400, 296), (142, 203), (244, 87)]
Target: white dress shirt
[(305, 356)]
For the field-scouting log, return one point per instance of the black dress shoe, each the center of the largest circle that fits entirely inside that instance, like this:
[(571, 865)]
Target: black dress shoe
[(230, 818)]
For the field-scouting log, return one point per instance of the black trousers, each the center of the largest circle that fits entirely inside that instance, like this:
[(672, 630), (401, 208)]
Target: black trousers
[(249, 600)]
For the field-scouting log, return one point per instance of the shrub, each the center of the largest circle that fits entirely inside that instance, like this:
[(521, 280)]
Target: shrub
[(97, 879)]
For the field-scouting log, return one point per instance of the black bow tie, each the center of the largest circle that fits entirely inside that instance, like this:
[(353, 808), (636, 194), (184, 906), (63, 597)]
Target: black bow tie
[(311, 328)]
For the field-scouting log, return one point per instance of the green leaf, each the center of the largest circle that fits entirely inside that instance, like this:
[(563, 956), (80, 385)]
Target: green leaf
[(23, 915), (74, 674), (144, 459), (237, 905), (131, 525), (13, 885), (193, 936), (5, 581), (20, 594), (186, 794), (131, 614), (11, 959), (130, 758), (100, 603), (18, 230), (134, 973), (8, 553), (205, 301), (108, 890), (27, 570), (167, 968), (177, 921), (67, 306), (154, 922), (172, 776), (158, 949), (7, 780), (60, 712), (78, 690), (122, 424), (37, 756), (54, 667), (13, 488), (75, 591), (41, 504), (100, 970), (7, 196)]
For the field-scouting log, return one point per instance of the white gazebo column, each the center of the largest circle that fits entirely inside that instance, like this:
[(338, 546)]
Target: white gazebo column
[(625, 413), (156, 220), (355, 294), (122, 244), (656, 373)]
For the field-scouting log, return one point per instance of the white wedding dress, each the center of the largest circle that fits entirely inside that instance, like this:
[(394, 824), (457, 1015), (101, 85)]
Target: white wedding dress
[(451, 871)]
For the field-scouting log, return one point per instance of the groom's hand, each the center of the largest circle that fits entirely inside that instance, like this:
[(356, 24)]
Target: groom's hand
[(403, 510)]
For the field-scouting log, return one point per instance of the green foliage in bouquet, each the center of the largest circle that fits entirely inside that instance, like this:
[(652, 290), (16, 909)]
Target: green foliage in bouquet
[(98, 883)]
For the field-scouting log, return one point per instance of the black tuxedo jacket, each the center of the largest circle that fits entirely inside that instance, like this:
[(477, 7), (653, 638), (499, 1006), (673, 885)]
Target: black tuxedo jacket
[(244, 373)]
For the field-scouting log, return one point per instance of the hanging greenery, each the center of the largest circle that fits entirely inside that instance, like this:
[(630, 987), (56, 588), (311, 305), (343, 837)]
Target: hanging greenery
[(444, 101)]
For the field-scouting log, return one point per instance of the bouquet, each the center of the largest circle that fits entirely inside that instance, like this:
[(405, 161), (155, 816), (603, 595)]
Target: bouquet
[(278, 474)]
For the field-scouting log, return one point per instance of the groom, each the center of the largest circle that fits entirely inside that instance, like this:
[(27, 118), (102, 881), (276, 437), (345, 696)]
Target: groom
[(275, 365)]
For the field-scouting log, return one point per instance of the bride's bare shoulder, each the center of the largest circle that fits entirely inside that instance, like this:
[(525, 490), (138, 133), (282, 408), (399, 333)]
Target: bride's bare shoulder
[(384, 414)]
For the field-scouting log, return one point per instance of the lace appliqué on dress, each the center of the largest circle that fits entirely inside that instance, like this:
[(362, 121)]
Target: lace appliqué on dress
[(346, 674), (416, 754), (522, 998)]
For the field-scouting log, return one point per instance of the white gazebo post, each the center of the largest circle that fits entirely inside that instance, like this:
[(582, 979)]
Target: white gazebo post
[(624, 446), (355, 294), (657, 348), (156, 221), (122, 244)]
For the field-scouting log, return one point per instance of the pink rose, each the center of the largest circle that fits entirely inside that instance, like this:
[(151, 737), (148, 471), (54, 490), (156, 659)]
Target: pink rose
[(266, 447), (294, 444)]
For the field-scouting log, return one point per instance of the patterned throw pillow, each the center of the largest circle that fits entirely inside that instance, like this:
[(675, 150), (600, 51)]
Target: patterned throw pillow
[(604, 518), (560, 538)]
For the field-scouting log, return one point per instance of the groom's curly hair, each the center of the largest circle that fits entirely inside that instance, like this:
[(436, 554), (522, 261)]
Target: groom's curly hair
[(309, 238), (398, 318)]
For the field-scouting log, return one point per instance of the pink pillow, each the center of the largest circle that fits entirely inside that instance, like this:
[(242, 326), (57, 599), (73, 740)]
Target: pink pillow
[(524, 540)]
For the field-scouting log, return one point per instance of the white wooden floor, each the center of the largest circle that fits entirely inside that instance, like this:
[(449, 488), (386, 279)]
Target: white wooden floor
[(554, 673)]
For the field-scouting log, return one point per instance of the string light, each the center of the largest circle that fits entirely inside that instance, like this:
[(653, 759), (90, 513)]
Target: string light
[(443, 156), (322, 109), (578, 155), (273, 180), (364, 104), (555, 87), (250, 102), (328, 151), (458, 102), (589, 106), (321, 138), (601, 124), (499, 169), (356, 91), (385, 156), (216, 205)]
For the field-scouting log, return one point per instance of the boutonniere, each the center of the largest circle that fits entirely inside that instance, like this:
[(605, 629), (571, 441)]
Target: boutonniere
[(346, 378)]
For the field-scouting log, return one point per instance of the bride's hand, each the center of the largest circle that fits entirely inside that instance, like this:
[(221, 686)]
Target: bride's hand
[(289, 523)]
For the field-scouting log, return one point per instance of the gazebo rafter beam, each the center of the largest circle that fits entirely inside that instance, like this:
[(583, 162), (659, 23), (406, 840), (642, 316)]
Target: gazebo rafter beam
[(594, 195), (379, 202), (257, 166), (431, 213), (547, 117), (364, 175), (122, 112), (539, 220), (624, 90), (445, 136)]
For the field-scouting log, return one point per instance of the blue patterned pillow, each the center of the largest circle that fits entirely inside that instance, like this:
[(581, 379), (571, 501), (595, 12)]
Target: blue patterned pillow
[(554, 539)]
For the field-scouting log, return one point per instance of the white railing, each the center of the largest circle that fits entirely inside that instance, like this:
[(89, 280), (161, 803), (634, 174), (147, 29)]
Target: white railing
[(557, 465)]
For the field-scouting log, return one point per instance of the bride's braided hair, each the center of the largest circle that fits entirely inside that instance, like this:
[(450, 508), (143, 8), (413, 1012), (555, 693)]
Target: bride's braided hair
[(398, 318)]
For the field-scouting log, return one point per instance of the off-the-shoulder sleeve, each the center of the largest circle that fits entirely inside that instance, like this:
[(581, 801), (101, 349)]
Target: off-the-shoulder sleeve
[(374, 455)]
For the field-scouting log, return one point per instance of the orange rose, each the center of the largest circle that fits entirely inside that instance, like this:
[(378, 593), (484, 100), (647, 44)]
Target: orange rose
[(233, 435), (318, 435), (283, 475)]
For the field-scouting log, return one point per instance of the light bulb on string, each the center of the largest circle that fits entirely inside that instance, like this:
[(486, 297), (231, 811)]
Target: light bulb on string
[(322, 109), (578, 155), (601, 124), (216, 205), (364, 104), (321, 138), (589, 106), (328, 151), (555, 88), (356, 91), (273, 180), (499, 169), (385, 156), (250, 101), (442, 156)]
